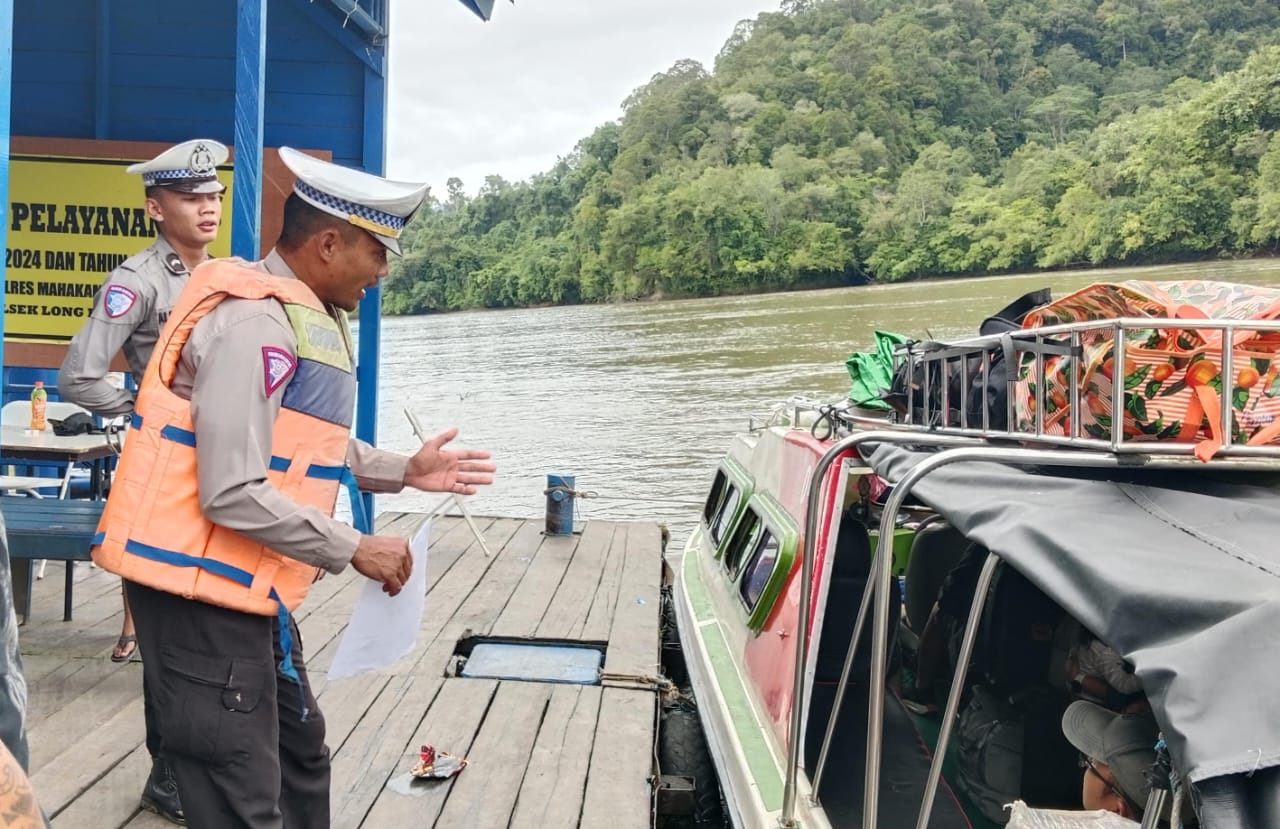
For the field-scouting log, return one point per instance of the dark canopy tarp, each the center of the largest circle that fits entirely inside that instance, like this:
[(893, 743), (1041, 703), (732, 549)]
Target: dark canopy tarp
[(1180, 572)]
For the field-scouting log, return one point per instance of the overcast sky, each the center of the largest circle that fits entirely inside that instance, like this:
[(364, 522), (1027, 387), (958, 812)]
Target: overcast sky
[(469, 98)]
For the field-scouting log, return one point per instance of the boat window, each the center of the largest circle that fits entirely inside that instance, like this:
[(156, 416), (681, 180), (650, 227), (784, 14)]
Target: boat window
[(715, 496), (759, 568), (729, 506), (744, 539)]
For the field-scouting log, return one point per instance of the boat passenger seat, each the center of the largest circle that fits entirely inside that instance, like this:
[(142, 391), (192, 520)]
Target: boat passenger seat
[(936, 549), (849, 572), (905, 759)]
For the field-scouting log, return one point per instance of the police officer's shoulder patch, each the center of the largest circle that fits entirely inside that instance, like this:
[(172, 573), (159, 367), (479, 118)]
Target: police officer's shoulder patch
[(118, 300), (277, 367)]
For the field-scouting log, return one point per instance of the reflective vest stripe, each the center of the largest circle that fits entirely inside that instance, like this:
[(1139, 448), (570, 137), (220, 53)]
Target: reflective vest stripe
[(179, 435), (318, 471), (310, 392), (360, 518), (227, 571)]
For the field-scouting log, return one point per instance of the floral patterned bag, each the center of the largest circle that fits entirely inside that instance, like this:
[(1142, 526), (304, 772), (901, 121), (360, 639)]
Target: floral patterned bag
[(1172, 377)]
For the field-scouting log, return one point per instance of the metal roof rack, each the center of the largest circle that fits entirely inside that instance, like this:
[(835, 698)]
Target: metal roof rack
[(942, 376)]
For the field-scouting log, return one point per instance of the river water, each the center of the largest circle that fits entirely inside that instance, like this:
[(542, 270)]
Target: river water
[(639, 400)]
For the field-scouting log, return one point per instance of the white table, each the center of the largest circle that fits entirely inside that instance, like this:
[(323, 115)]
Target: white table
[(18, 442), (21, 444)]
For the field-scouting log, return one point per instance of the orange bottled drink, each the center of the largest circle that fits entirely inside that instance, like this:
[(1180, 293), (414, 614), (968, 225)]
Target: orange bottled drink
[(38, 398)]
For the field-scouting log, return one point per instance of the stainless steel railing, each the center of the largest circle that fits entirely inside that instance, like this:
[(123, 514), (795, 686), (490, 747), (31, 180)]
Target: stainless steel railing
[(954, 448), (942, 366)]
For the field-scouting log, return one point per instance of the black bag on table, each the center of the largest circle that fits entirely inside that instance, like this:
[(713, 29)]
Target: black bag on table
[(78, 423)]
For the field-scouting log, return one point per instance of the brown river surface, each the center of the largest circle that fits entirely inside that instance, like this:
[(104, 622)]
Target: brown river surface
[(639, 400)]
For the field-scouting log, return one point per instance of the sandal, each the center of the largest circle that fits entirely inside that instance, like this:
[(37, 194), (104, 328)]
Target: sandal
[(126, 647)]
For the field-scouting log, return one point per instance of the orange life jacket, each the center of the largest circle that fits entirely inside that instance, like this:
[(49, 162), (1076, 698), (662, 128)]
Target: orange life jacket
[(153, 530)]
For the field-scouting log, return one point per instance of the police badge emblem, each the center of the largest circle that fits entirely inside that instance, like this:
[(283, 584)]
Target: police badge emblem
[(118, 301), (277, 367), (201, 162)]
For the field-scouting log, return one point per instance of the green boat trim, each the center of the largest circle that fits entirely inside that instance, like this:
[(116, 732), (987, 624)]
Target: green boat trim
[(761, 762)]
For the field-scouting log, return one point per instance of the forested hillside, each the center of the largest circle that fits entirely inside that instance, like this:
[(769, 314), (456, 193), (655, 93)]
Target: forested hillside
[(841, 141)]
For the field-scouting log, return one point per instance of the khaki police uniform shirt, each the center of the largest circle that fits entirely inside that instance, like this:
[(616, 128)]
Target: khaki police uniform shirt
[(221, 371), (142, 291)]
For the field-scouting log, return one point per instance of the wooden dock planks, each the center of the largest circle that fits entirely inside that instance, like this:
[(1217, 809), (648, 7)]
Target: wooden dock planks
[(540, 754)]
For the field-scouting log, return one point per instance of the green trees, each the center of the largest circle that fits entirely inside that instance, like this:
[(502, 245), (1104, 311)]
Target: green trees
[(844, 140)]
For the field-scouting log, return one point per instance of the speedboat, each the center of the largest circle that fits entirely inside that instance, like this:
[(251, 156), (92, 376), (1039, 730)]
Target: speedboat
[(827, 538)]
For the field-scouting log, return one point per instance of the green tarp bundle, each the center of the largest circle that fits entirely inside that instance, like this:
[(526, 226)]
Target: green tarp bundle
[(872, 371)]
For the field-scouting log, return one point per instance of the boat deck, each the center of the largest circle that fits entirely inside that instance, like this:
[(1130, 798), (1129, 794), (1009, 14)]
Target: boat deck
[(541, 754)]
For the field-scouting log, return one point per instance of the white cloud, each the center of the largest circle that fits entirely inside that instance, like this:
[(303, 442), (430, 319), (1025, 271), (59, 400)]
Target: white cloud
[(508, 97)]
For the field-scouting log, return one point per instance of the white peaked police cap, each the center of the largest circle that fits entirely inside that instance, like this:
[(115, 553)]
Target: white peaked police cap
[(189, 167), (370, 202)]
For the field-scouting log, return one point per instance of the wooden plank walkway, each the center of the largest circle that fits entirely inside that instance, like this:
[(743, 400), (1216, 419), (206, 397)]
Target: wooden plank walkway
[(540, 754)]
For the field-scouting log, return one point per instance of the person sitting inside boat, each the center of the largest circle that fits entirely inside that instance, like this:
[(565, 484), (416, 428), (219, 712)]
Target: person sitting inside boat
[(1116, 751), (1096, 671)]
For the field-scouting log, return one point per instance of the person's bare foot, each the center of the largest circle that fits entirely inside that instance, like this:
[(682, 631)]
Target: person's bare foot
[(125, 647)]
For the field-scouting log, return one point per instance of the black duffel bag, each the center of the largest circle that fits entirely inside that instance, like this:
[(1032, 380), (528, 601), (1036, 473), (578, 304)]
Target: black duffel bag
[(910, 381), (992, 389)]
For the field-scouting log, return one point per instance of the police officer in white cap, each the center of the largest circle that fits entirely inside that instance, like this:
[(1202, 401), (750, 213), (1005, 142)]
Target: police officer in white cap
[(245, 431), (184, 198)]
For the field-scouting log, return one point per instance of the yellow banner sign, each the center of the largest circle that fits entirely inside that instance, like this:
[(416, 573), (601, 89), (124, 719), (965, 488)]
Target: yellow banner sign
[(71, 222)]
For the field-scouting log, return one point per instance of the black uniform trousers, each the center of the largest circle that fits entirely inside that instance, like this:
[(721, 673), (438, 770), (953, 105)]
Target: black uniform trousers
[(231, 725)]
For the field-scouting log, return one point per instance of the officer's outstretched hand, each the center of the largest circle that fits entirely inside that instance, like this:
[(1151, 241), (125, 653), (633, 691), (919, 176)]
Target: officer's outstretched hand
[(384, 558), (436, 469)]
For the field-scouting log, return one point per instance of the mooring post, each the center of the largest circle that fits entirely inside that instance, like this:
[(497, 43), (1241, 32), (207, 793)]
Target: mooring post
[(559, 504)]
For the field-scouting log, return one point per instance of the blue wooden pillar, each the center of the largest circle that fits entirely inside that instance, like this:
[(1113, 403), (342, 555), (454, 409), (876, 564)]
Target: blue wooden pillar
[(6, 94), (251, 71), (375, 146)]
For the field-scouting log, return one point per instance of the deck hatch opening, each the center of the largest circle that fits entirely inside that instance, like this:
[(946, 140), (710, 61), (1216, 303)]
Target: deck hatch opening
[(534, 661)]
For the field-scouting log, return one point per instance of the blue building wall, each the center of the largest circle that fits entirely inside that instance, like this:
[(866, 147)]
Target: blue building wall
[(164, 70), (53, 68), (168, 73)]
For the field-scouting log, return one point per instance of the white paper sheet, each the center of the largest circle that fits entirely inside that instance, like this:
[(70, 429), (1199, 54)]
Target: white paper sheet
[(384, 628)]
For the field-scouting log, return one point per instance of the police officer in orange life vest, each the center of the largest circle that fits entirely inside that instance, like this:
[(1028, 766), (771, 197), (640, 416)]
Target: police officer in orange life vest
[(184, 199), (220, 517)]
